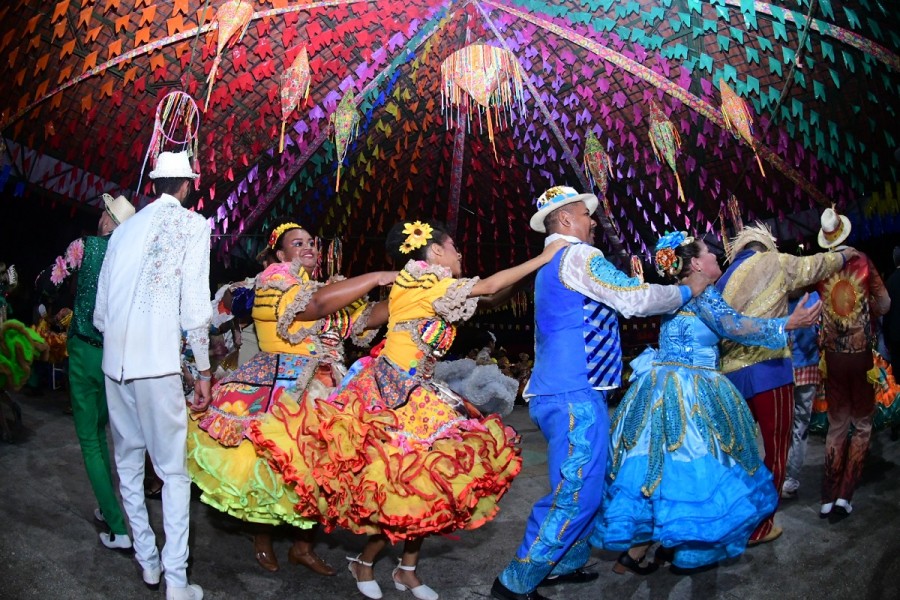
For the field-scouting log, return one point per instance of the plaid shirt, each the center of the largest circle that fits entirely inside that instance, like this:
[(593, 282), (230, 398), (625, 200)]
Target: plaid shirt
[(810, 375)]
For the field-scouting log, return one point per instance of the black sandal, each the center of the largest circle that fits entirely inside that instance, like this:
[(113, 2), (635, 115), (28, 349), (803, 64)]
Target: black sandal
[(626, 563), (663, 555)]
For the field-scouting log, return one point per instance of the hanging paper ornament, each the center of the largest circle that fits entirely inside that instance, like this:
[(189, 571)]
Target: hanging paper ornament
[(232, 18), (345, 119), (637, 268), (735, 209), (607, 212), (723, 229), (294, 87), (490, 76), (738, 119), (596, 163), (174, 130), (335, 257), (665, 141)]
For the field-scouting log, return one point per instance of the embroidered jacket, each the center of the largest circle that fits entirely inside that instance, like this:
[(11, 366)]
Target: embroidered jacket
[(577, 297), (155, 283)]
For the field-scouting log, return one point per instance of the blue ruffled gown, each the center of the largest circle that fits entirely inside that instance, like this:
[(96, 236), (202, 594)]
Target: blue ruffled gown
[(684, 467)]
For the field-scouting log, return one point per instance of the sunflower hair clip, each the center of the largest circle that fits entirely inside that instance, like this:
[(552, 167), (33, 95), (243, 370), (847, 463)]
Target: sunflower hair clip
[(277, 233), (417, 235)]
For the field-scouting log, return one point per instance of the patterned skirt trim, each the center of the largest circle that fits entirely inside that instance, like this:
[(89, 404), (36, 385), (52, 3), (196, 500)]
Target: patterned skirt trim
[(420, 469)]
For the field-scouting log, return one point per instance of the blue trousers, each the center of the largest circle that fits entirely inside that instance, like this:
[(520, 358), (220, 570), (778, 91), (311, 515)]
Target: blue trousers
[(576, 425)]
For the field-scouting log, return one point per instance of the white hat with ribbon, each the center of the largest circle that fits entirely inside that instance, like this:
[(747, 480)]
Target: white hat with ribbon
[(835, 229), (554, 198), (173, 165)]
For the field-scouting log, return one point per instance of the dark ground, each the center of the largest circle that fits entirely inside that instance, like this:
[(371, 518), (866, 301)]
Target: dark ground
[(49, 546)]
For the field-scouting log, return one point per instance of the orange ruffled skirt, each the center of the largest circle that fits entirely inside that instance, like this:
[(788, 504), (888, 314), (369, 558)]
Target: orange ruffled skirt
[(408, 472)]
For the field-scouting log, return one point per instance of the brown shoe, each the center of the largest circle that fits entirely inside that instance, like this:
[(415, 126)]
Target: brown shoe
[(773, 535), (310, 560), (265, 555)]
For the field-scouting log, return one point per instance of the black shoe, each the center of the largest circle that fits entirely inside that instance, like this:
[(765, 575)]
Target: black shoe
[(625, 563), (576, 576), (501, 592), (838, 514)]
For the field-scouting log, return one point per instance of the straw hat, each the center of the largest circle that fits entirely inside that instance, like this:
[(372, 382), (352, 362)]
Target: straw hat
[(173, 165), (118, 209), (556, 197), (835, 229), (758, 233)]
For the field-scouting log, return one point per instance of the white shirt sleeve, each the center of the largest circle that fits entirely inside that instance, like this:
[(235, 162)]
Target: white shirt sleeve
[(195, 309), (584, 269)]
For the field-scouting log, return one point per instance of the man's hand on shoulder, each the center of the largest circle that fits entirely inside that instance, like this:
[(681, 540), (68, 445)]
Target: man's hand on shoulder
[(697, 287)]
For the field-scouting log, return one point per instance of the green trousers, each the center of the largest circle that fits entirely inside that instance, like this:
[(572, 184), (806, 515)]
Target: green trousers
[(88, 395)]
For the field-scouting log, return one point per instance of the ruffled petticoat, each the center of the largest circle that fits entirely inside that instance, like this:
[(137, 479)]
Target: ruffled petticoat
[(419, 469), (224, 464), (684, 470)]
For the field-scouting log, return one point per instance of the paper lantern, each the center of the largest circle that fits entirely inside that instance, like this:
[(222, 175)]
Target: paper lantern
[(489, 76), (175, 129), (738, 119), (294, 87), (596, 163), (345, 120), (233, 18), (665, 141)]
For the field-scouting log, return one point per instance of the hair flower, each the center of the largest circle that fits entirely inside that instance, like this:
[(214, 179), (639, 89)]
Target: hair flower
[(418, 234), (278, 231), (672, 239)]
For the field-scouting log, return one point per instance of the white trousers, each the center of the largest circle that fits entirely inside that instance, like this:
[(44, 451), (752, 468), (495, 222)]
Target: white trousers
[(149, 414)]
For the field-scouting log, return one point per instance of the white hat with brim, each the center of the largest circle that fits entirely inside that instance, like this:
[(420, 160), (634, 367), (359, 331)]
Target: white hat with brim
[(556, 197), (174, 165), (835, 229), (119, 209)]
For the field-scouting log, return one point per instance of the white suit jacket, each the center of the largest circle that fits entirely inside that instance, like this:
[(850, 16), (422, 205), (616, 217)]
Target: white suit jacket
[(154, 284)]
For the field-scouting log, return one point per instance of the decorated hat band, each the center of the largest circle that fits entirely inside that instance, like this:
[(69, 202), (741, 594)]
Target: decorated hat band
[(835, 233), (279, 231)]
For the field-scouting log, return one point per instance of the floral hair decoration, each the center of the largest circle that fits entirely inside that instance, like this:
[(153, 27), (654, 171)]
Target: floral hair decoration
[(418, 234), (667, 262), (279, 231)]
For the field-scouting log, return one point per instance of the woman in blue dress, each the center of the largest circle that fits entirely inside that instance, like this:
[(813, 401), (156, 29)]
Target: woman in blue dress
[(684, 467)]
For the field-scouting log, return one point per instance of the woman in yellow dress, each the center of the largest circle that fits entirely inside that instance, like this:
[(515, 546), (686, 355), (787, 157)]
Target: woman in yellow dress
[(394, 453), (301, 325)]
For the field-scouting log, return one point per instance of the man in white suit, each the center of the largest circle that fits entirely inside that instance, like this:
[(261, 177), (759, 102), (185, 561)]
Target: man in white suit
[(154, 284)]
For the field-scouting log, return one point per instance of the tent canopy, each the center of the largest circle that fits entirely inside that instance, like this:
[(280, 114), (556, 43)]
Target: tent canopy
[(819, 79)]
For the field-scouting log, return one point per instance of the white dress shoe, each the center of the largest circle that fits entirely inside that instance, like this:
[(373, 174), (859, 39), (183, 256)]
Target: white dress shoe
[(115, 542), (151, 577), (421, 592), (369, 589), (826, 509), (191, 592), (99, 515)]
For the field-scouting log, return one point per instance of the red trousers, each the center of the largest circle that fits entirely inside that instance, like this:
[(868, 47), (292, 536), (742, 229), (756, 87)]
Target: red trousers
[(851, 401), (774, 413)]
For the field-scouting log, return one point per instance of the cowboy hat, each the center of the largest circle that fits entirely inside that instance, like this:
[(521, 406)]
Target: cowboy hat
[(173, 165), (835, 229), (556, 197), (119, 209)]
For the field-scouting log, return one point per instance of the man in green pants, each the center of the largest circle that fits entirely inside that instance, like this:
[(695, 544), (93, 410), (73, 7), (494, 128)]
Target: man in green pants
[(85, 256)]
